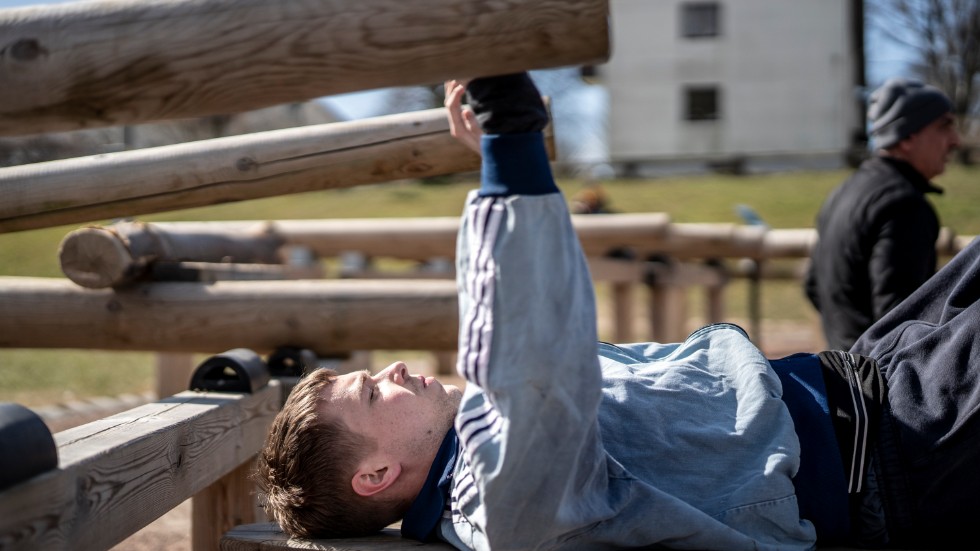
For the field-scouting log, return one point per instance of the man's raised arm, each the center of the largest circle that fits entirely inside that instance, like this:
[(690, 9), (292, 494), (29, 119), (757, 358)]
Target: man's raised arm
[(527, 343)]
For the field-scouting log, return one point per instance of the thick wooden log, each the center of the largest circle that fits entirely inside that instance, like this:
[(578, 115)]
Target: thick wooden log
[(99, 257), (236, 168), (331, 317), (120, 473), (92, 64)]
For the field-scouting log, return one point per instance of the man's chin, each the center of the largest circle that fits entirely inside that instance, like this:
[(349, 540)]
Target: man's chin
[(455, 394)]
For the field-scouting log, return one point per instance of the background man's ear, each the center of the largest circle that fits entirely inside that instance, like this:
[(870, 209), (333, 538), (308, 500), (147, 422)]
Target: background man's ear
[(373, 478)]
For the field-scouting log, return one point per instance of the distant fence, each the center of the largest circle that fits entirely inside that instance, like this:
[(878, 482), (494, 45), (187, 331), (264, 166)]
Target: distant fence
[(625, 250)]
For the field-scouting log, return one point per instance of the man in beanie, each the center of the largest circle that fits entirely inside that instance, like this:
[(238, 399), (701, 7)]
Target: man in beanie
[(877, 232)]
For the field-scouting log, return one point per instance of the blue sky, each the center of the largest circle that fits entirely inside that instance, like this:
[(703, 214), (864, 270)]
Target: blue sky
[(885, 58)]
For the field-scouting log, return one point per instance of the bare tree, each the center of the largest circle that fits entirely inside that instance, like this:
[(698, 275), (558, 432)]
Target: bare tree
[(410, 98), (945, 36)]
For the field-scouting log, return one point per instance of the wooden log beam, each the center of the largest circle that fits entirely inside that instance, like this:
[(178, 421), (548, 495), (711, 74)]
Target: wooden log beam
[(331, 317), (90, 64), (118, 474), (236, 168), (98, 257)]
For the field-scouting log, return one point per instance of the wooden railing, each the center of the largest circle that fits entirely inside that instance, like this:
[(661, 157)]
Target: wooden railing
[(118, 474)]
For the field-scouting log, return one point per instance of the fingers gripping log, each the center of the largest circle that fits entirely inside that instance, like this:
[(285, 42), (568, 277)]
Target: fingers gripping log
[(93, 64)]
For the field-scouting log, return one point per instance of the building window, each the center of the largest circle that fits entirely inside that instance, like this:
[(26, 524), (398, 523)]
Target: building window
[(702, 103), (700, 19)]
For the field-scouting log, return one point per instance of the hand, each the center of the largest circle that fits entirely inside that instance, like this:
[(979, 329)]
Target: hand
[(462, 121)]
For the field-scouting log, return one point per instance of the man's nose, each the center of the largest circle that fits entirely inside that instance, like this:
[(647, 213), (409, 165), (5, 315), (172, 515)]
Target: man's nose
[(396, 372), (955, 142)]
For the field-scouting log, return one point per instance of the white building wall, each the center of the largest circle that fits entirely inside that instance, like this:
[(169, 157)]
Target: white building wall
[(784, 69)]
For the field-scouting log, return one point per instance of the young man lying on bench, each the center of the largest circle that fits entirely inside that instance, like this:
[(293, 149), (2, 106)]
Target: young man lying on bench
[(560, 441)]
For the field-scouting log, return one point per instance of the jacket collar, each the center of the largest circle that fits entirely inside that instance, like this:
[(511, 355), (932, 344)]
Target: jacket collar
[(912, 175), (423, 515)]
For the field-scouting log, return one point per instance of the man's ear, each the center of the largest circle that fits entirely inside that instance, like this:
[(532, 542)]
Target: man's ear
[(373, 477)]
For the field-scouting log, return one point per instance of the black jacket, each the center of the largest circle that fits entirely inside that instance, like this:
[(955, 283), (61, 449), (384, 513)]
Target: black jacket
[(877, 244)]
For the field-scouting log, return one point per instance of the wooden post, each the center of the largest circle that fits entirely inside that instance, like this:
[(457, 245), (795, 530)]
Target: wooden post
[(229, 502), (715, 307), (755, 303), (715, 294), (663, 311), (669, 280), (621, 274), (80, 65), (668, 313), (622, 301), (173, 373), (445, 363)]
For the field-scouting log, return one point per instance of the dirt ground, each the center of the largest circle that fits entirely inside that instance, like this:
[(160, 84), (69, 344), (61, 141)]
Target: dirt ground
[(171, 532)]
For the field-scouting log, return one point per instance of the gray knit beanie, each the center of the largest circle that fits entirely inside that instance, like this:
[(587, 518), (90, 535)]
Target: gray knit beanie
[(902, 107)]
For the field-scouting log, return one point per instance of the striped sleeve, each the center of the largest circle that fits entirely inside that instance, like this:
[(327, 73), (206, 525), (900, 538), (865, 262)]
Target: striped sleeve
[(527, 349)]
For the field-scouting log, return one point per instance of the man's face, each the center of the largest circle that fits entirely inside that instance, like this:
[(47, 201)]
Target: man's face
[(928, 149), (407, 415)]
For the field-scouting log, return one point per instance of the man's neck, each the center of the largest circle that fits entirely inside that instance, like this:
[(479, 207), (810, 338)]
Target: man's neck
[(424, 514), (897, 155)]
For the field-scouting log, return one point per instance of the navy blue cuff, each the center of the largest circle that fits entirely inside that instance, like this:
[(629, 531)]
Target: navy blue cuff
[(821, 487), (516, 164)]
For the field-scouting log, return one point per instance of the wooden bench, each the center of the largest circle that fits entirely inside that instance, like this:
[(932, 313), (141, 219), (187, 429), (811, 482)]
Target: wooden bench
[(118, 474)]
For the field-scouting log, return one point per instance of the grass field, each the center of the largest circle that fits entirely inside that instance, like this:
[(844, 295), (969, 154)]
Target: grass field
[(786, 200)]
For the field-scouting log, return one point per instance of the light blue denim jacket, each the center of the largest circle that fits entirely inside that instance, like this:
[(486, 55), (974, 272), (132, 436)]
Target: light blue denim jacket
[(566, 443)]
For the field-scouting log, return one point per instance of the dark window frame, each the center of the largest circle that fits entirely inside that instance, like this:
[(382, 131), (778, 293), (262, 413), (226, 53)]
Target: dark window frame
[(700, 19), (702, 103)]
